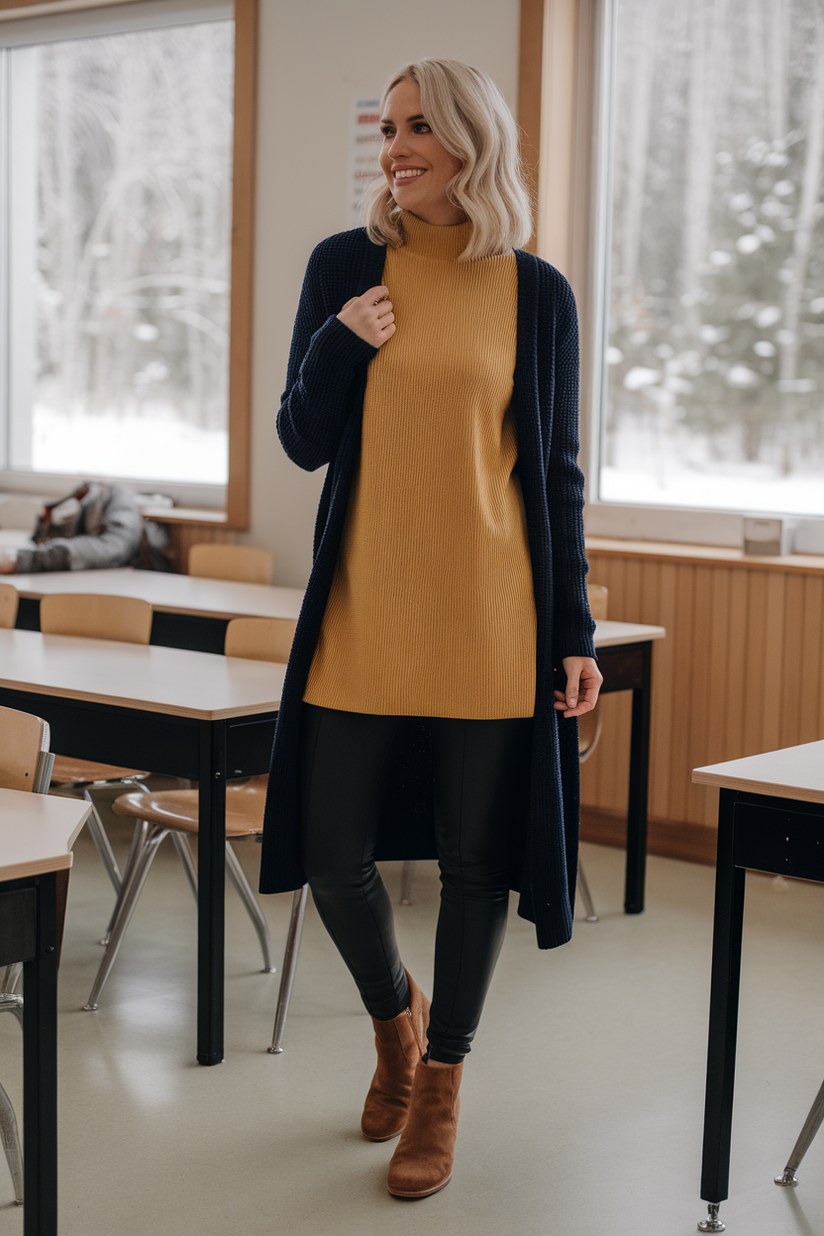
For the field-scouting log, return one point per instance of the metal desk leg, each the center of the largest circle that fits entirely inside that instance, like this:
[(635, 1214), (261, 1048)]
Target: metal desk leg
[(40, 1069), (211, 886), (638, 789), (723, 1027)]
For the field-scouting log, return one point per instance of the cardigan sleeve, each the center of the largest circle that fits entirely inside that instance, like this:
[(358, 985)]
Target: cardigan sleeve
[(324, 362), (572, 624)]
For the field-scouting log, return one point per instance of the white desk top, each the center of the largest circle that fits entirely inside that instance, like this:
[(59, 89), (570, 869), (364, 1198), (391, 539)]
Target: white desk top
[(178, 594), (609, 633), (795, 772), (37, 832), (174, 681)]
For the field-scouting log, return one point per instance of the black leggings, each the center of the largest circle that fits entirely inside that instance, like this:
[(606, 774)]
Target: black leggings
[(481, 788)]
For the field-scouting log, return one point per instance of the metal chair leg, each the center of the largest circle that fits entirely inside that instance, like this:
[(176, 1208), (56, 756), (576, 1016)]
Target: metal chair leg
[(290, 965), (10, 1137), (407, 871), (187, 858), (104, 846), (586, 897), (238, 877), (154, 836), (138, 839), (10, 976), (12, 1004), (812, 1124)]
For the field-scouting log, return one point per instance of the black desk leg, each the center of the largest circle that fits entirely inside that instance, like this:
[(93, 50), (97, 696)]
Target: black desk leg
[(40, 1069), (724, 987), (638, 789), (211, 882)]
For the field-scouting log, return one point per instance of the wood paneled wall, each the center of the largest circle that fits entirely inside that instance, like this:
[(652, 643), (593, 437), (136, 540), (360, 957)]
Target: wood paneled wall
[(741, 670)]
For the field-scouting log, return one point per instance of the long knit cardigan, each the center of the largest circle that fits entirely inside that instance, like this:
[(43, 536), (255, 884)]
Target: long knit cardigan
[(319, 422)]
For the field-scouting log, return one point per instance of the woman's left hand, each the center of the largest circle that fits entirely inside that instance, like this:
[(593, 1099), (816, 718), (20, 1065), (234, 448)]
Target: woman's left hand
[(583, 682)]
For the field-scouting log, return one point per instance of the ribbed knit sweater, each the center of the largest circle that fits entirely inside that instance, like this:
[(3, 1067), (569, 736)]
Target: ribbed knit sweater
[(431, 610), (319, 422)]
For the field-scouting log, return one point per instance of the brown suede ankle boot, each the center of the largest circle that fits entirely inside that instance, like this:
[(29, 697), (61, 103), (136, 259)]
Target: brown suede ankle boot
[(422, 1162), (400, 1044)]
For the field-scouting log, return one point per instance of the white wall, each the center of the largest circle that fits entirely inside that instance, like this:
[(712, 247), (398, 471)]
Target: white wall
[(315, 55)]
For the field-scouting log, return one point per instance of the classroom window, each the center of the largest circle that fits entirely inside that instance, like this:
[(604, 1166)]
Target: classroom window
[(117, 226), (712, 218)]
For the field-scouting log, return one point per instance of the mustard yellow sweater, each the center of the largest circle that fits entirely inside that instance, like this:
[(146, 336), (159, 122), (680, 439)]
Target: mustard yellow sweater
[(431, 610)]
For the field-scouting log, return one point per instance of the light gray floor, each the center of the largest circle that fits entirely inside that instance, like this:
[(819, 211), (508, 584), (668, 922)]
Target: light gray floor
[(582, 1099)]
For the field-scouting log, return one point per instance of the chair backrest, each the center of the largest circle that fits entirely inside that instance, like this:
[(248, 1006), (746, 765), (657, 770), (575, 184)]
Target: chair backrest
[(8, 605), (24, 740), (598, 595), (260, 639), (242, 563), (96, 617)]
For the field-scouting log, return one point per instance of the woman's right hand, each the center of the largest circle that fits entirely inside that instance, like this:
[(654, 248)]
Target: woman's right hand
[(370, 316)]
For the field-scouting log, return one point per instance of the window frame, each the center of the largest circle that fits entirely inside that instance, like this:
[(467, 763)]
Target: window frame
[(564, 115), (229, 505)]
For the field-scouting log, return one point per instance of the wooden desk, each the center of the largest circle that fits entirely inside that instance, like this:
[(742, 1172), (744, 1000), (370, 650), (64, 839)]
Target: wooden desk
[(191, 714), (770, 818), (625, 659), (189, 612), (36, 836)]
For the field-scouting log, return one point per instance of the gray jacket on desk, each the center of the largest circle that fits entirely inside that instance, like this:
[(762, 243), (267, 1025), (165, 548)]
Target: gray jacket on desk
[(103, 529)]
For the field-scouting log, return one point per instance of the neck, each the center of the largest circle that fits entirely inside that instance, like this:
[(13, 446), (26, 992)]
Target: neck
[(442, 241)]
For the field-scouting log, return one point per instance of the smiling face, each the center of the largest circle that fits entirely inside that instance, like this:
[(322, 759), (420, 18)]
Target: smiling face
[(415, 164)]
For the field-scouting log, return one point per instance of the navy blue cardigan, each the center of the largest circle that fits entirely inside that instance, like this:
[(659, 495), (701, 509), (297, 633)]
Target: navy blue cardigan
[(320, 422)]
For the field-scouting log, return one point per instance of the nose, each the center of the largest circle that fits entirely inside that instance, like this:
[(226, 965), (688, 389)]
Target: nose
[(399, 146)]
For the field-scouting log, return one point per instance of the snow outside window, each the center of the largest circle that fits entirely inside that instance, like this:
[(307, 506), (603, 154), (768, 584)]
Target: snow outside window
[(117, 218), (712, 390)]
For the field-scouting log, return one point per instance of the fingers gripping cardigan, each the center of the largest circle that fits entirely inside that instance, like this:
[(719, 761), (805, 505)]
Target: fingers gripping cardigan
[(319, 422)]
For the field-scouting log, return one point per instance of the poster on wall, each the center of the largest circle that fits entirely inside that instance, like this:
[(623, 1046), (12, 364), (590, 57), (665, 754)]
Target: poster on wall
[(364, 147)]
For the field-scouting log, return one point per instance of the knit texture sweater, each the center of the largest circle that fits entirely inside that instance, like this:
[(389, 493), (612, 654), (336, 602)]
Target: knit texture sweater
[(319, 423), (431, 611)]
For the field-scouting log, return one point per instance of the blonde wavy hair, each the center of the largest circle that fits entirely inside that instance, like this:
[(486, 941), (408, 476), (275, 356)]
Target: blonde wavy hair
[(469, 116)]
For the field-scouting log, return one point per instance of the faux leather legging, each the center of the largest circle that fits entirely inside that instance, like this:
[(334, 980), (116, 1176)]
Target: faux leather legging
[(481, 783)]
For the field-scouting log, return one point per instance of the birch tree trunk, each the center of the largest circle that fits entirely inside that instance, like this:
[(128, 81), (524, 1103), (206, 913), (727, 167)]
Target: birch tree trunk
[(802, 245)]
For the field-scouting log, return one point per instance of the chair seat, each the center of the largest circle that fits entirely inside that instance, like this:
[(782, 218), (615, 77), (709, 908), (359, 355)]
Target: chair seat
[(68, 771), (178, 808)]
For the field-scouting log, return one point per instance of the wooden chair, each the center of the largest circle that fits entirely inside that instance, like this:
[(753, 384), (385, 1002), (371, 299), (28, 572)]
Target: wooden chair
[(129, 620), (245, 638), (8, 605), (260, 639), (242, 563), (174, 813), (25, 764), (589, 732), (25, 760)]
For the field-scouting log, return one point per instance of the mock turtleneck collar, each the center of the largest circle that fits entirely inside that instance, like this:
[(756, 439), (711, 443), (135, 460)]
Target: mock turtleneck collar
[(428, 240)]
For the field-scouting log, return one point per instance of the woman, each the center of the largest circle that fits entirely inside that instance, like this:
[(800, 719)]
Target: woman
[(435, 371)]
